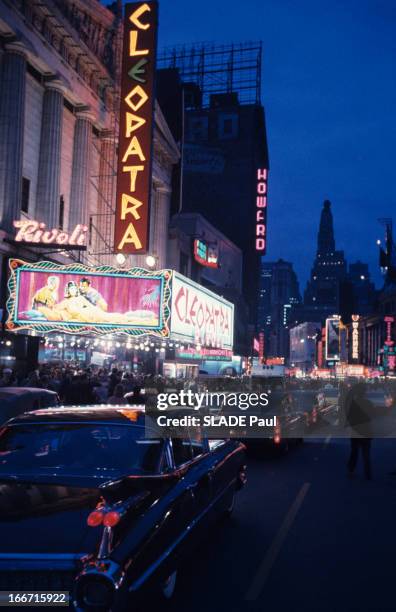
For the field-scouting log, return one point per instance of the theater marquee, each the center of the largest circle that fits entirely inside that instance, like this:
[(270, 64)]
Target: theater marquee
[(136, 128)]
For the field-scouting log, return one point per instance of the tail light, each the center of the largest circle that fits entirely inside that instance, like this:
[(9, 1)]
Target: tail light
[(277, 435), (108, 519), (111, 519), (95, 519)]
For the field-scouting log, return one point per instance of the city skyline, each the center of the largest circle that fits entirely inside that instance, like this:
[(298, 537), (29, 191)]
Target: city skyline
[(318, 66)]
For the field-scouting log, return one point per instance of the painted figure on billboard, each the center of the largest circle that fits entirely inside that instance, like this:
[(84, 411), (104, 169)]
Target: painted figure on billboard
[(48, 295), (82, 303), (91, 294)]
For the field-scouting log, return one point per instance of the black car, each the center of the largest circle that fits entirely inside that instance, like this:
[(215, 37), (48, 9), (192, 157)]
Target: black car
[(91, 504)]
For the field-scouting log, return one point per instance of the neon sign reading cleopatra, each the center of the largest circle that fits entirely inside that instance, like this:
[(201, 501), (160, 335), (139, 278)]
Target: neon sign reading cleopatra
[(211, 322), (136, 125)]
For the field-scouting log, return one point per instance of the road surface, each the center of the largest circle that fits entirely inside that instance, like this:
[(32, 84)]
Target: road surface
[(304, 536)]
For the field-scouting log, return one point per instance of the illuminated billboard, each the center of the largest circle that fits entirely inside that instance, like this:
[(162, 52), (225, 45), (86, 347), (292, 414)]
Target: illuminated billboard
[(333, 346), (206, 255), (132, 217), (200, 316), (47, 297)]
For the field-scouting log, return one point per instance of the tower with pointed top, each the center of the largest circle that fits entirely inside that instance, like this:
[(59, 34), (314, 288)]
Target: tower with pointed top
[(322, 294), (326, 243)]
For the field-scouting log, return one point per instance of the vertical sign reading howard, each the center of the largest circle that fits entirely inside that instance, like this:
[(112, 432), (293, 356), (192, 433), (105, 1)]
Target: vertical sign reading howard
[(136, 128)]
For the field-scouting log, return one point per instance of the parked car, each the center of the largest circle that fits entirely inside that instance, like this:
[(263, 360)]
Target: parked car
[(15, 400), (92, 504)]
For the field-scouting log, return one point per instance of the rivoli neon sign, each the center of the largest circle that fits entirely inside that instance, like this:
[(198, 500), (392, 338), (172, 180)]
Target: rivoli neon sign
[(261, 210), (34, 232)]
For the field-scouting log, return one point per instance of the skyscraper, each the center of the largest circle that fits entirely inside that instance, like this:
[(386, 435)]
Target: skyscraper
[(322, 294), (279, 293)]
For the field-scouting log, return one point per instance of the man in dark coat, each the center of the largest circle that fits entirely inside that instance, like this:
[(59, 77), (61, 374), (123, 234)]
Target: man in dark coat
[(359, 412)]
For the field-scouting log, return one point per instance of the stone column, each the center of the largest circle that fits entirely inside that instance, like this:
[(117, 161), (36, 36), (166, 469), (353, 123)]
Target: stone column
[(12, 120), (80, 181), (48, 183)]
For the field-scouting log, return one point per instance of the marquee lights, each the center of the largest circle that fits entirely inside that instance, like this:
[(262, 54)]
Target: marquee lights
[(355, 336), (37, 233), (136, 126), (261, 211)]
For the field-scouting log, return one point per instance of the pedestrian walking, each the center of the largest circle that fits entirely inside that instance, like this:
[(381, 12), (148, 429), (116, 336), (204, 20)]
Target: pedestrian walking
[(359, 411)]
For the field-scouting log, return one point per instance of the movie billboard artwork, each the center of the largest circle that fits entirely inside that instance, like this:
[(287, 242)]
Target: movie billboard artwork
[(333, 338), (49, 296)]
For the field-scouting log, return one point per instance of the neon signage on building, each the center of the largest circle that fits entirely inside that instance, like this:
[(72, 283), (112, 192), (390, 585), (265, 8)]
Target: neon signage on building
[(261, 347), (34, 232), (355, 336), (205, 255), (261, 210), (389, 321), (199, 315), (131, 231)]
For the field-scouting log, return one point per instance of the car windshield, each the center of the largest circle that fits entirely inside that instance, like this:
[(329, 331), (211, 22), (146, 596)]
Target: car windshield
[(78, 449)]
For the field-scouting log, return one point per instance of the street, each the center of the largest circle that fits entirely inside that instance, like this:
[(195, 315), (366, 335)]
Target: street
[(303, 537)]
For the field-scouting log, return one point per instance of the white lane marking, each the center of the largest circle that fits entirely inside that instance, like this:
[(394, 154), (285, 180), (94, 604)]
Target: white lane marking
[(266, 565)]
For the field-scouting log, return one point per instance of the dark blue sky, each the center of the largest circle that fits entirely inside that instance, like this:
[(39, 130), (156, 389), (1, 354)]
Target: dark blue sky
[(329, 90)]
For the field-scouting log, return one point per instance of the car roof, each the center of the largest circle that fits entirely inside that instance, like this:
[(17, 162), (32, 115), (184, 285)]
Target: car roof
[(79, 414), (18, 391)]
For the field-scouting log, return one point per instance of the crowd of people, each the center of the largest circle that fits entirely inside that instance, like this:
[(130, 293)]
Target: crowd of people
[(77, 385), (94, 385)]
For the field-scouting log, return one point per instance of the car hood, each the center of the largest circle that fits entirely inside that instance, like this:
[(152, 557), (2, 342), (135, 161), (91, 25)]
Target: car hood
[(49, 517)]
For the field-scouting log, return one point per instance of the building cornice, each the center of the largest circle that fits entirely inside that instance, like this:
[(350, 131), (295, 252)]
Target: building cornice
[(66, 32)]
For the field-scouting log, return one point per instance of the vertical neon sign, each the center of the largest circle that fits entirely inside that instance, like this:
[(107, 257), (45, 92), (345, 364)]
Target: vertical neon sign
[(261, 210), (132, 215), (355, 336)]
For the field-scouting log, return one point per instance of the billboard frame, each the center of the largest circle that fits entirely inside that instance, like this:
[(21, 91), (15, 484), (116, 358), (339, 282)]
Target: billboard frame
[(337, 357), (16, 266)]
